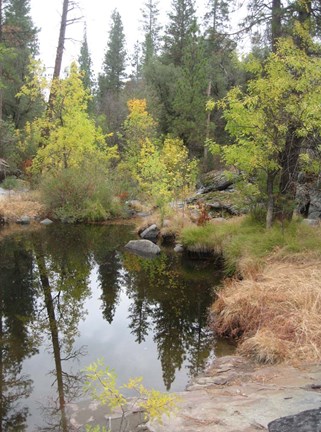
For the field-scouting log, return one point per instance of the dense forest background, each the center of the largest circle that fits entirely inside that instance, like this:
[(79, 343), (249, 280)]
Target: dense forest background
[(153, 119)]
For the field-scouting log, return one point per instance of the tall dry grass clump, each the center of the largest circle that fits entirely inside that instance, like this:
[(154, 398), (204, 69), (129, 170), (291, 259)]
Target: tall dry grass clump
[(16, 205), (275, 315)]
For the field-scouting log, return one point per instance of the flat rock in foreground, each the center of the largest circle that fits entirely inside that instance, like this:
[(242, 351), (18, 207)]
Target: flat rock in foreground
[(145, 248), (237, 396)]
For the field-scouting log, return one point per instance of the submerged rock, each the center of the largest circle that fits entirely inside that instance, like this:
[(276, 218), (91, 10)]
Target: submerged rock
[(144, 248)]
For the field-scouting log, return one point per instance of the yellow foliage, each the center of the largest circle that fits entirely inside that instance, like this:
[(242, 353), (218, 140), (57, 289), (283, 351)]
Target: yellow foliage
[(101, 383), (65, 135)]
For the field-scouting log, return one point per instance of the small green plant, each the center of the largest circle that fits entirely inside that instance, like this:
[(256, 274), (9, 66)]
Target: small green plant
[(10, 183), (101, 384)]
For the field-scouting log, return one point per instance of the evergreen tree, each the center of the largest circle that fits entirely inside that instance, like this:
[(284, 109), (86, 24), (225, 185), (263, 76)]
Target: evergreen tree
[(190, 97), (216, 18), (177, 36), (112, 78), (136, 63), (151, 28), (19, 36), (85, 63)]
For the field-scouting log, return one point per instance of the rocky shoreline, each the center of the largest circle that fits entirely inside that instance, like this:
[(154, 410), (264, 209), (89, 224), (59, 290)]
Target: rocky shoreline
[(236, 395)]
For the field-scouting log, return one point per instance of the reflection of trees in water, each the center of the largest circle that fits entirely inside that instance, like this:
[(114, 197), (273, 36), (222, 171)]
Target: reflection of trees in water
[(175, 305), (63, 275), (16, 342), (111, 276), (46, 273)]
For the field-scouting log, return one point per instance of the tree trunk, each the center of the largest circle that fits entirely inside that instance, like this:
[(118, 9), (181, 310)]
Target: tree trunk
[(289, 160), (59, 52), (54, 332), (61, 40), (276, 25), (208, 123), (270, 203)]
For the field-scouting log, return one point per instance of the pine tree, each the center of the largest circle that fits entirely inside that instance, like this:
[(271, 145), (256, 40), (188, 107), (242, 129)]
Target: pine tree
[(19, 37), (85, 63), (112, 78), (177, 35), (190, 97), (151, 28)]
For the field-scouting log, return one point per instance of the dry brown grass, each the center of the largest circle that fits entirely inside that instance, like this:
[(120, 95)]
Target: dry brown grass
[(17, 205), (276, 314), (173, 223)]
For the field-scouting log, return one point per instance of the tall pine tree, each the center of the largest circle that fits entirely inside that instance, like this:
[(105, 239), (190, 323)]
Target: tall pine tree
[(110, 103), (151, 28), (182, 21), (114, 65), (19, 37), (85, 63)]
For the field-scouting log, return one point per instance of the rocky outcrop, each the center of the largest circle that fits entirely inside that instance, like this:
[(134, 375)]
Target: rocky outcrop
[(237, 395), (145, 248), (308, 197), (217, 181)]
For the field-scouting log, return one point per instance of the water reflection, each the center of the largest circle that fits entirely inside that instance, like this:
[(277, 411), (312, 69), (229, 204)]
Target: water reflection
[(46, 280), (16, 343)]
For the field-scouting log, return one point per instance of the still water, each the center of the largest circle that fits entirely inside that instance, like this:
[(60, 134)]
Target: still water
[(71, 294)]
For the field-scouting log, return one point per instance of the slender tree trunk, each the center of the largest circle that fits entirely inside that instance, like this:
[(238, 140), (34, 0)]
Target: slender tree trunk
[(61, 40), (60, 51), (208, 122), (270, 204), (54, 335), (276, 25)]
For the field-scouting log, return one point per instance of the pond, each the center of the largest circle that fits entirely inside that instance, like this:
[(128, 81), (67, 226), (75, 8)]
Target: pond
[(70, 295)]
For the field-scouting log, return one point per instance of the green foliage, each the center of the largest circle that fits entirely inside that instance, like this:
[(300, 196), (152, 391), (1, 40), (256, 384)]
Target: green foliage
[(80, 194), (65, 135), (96, 428), (101, 384), (151, 28), (85, 64), (248, 240), (19, 39), (182, 22), (10, 183), (190, 95), (281, 106), (115, 58)]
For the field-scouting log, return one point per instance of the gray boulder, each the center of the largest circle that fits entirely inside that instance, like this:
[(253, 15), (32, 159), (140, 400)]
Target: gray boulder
[(305, 421), (145, 248), (150, 233)]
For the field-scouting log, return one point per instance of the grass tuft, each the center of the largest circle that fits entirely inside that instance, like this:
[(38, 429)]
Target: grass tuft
[(275, 316)]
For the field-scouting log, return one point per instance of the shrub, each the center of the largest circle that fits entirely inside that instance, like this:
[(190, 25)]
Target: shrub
[(101, 384), (78, 194)]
